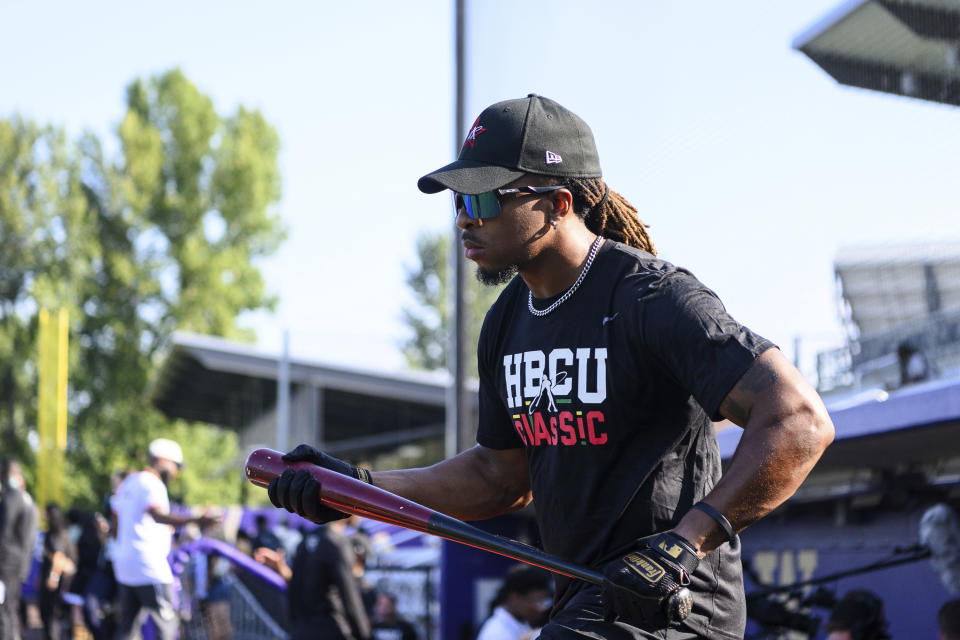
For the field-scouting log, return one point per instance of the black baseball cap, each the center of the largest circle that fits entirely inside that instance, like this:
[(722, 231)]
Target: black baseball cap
[(515, 137)]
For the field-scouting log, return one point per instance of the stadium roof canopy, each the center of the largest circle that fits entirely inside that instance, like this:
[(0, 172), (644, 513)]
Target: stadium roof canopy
[(351, 412), (889, 286), (875, 414), (905, 48), (909, 429)]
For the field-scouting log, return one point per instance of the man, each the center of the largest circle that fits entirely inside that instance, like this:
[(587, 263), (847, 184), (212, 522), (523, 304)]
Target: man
[(143, 527), (858, 615), (948, 619), (18, 533), (620, 457), (519, 606), (323, 596), (388, 625)]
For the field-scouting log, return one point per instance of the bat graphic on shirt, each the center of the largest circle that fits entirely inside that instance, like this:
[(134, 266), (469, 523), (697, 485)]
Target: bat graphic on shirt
[(359, 498)]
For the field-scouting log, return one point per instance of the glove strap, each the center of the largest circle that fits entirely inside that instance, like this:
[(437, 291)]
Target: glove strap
[(675, 548), (364, 475), (721, 520)]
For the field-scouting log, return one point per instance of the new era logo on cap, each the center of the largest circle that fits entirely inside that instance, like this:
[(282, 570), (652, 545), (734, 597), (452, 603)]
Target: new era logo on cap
[(553, 158)]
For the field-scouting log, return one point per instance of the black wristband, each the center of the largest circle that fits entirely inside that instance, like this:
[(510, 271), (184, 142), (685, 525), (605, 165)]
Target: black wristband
[(721, 520)]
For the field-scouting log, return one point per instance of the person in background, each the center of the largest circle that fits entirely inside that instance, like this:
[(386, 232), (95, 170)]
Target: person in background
[(143, 524), (94, 580), (290, 536), (244, 543), (18, 532), (323, 596), (362, 549), (519, 606), (92, 531), (265, 537), (59, 564), (948, 619), (858, 615), (388, 625)]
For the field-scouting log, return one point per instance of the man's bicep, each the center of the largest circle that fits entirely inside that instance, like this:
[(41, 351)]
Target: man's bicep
[(475, 484), (506, 468), (686, 329), (765, 382)]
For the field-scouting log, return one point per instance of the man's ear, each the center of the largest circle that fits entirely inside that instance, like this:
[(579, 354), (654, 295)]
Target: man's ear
[(562, 202)]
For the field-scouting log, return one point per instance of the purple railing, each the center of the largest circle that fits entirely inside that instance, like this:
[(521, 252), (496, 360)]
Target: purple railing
[(237, 558)]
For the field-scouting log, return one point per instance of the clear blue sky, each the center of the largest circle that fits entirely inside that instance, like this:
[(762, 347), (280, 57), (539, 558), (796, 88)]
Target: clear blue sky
[(751, 165)]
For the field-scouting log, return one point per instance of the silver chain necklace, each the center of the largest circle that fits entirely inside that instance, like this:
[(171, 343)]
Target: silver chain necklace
[(569, 292)]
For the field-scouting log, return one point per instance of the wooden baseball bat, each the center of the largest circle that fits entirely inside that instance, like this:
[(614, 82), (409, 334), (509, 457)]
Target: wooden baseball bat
[(359, 498)]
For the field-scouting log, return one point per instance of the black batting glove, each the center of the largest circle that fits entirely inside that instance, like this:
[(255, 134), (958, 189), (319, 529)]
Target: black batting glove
[(299, 492), (648, 587)]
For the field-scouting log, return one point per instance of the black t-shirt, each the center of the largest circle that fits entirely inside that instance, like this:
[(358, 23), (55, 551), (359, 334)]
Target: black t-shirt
[(323, 596), (612, 396)]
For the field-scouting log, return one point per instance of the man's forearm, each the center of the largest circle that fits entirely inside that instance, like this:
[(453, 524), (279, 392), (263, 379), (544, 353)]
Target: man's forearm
[(780, 445), (172, 520), (768, 467), (175, 520), (473, 485)]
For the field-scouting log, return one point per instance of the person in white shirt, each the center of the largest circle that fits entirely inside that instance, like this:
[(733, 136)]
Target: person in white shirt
[(520, 606), (143, 527)]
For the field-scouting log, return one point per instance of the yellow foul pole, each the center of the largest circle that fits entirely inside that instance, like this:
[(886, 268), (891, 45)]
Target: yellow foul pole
[(51, 405)]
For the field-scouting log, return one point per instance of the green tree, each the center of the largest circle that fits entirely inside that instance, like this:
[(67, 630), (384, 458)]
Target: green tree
[(37, 205), (430, 320), (161, 235)]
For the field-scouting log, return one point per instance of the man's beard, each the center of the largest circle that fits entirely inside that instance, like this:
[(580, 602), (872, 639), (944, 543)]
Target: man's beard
[(494, 277), (165, 477)]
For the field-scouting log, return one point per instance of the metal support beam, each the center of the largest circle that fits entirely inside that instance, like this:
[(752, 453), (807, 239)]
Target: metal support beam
[(283, 395), (455, 440)]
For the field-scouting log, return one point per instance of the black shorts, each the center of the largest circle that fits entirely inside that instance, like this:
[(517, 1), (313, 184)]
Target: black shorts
[(153, 600), (582, 617)]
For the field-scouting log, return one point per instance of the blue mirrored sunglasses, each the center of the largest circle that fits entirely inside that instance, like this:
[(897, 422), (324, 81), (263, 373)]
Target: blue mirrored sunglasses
[(487, 204)]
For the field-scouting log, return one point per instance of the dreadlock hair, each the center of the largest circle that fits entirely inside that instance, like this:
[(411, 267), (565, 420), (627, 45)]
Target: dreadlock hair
[(615, 218), (604, 211)]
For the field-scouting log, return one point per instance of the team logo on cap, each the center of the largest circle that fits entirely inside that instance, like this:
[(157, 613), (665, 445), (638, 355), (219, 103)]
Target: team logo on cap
[(475, 130), (553, 158)]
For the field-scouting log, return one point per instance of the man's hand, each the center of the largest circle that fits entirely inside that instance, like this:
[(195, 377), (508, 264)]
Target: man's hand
[(299, 492), (207, 521), (275, 559), (648, 587)]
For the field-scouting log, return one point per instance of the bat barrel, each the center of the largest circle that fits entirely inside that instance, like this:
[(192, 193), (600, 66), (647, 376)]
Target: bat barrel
[(342, 492)]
